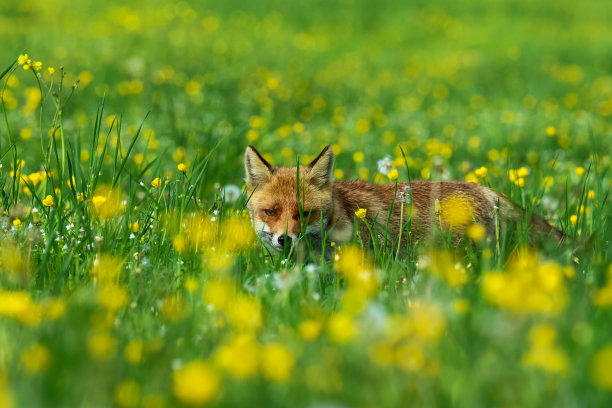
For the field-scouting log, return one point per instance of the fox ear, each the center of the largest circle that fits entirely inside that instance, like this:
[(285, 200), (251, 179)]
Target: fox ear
[(257, 169), (320, 169)]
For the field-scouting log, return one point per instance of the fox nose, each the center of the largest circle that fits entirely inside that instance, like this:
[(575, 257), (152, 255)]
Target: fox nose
[(284, 240)]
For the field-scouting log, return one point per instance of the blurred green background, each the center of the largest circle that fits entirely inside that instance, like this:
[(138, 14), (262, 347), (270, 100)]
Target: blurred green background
[(467, 89), (470, 75)]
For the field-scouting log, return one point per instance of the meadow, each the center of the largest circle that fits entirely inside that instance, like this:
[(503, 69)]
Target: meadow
[(130, 275)]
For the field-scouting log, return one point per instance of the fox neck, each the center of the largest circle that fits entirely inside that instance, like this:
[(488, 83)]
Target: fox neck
[(346, 202)]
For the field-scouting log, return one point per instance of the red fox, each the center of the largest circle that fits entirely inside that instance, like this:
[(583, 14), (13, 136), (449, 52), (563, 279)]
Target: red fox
[(281, 206)]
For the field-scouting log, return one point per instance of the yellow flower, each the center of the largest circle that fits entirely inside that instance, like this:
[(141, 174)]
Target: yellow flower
[(196, 383), (127, 394), (234, 227), (310, 329), (603, 297), (135, 227), (244, 313), (528, 286), (133, 352), (298, 127), (353, 264), (174, 309), (580, 171), (361, 213), (192, 87), (600, 367), (551, 131), (239, 357), (256, 122), (107, 203), (381, 353), (461, 306), (573, 219), (456, 210), (276, 362), (80, 197), (179, 243), (427, 320), (283, 132), (138, 158), (252, 135), (393, 174), (341, 328), (543, 353), (549, 359), (218, 293), (51, 70), (191, 284), (363, 126), (48, 201), (182, 168), (36, 358), (11, 259), (20, 306), (25, 133), (476, 232), (7, 399), (481, 172), (542, 335), (410, 357), (16, 223), (471, 177), (55, 309), (112, 297), (37, 65), (102, 346), (156, 182), (548, 181), (23, 59), (106, 268)]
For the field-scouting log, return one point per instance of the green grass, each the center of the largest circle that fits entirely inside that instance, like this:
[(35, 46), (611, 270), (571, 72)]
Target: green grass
[(95, 311)]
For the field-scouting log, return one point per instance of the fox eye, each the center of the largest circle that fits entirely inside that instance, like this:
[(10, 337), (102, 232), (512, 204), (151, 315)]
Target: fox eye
[(270, 213)]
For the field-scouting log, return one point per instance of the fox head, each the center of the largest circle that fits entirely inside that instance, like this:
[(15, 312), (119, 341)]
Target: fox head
[(281, 206)]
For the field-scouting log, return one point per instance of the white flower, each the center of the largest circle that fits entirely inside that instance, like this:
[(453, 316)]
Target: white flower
[(176, 364), (310, 268), (230, 193), (385, 165), (405, 195)]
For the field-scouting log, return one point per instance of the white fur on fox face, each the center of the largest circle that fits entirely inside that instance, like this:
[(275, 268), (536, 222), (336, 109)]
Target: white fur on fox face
[(271, 240), (266, 236), (278, 247)]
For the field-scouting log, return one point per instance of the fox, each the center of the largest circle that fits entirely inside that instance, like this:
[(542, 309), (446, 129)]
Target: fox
[(283, 207)]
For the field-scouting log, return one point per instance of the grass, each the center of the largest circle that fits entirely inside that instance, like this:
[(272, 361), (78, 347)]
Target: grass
[(142, 285)]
